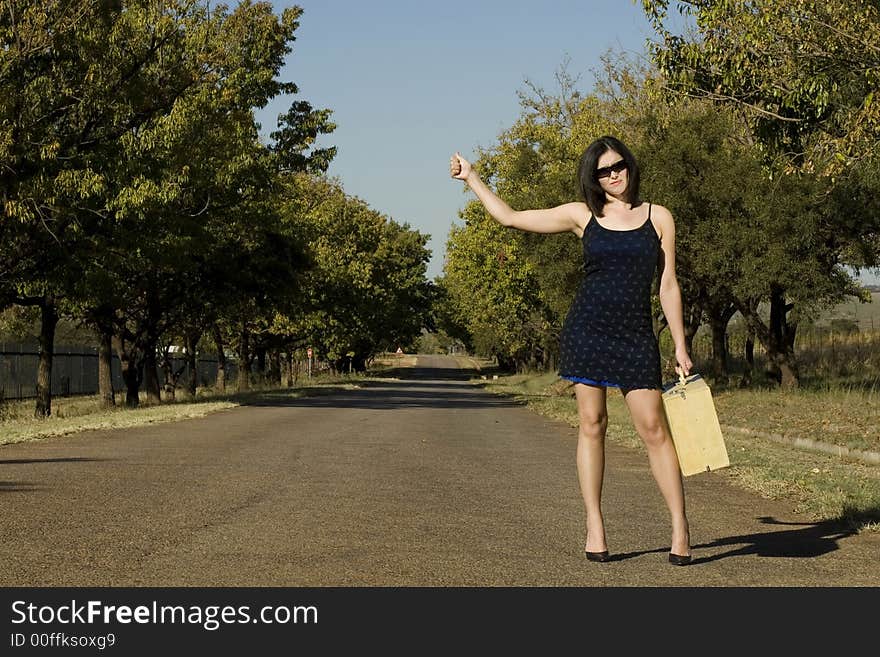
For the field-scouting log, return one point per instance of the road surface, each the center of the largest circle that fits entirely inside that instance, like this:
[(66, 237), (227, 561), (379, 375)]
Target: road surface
[(419, 481)]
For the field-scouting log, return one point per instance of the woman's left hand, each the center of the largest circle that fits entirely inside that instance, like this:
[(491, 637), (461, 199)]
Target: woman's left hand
[(684, 361)]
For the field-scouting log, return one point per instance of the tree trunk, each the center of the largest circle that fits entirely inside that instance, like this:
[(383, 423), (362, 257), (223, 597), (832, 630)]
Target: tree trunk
[(749, 358), (291, 375), (102, 320), (48, 323), (170, 380), (220, 384), (775, 338), (719, 315), (151, 372), (783, 334), (505, 363), (261, 364), (692, 320), (718, 366), (131, 372), (244, 359), (151, 334), (274, 375), (191, 340), (105, 365)]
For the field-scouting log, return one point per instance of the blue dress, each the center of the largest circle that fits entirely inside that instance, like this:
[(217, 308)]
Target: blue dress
[(608, 336)]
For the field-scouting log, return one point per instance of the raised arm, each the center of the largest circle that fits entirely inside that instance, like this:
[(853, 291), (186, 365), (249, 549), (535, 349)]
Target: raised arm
[(561, 219)]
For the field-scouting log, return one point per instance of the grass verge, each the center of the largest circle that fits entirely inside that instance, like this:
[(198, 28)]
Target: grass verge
[(74, 414), (844, 416)]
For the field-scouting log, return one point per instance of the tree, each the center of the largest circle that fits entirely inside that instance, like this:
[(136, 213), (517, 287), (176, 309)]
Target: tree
[(739, 244), (802, 74), (129, 136), (494, 289), (804, 71), (367, 291), (446, 316)]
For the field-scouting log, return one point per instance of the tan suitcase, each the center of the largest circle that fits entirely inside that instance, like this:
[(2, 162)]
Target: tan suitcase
[(694, 425)]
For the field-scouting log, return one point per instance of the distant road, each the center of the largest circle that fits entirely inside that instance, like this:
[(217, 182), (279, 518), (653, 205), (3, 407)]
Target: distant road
[(423, 480)]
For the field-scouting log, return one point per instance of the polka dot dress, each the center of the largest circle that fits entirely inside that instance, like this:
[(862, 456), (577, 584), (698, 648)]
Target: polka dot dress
[(608, 337)]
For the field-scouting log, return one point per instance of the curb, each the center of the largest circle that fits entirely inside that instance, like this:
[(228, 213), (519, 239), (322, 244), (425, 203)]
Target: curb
[(865, 456)]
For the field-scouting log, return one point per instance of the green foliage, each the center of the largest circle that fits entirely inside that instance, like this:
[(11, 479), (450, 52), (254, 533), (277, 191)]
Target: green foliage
[(18, 323), (740, 231), (448, 317), (493, 289), (805, 71), (534, 165), (134, 186), (366, 292)]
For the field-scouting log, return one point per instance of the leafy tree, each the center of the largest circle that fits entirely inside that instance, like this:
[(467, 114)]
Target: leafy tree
[(738, 244), (75, 79), (129, 134), (494, 289), (367, 291), (805, 71), (802, 74), (447, 315)]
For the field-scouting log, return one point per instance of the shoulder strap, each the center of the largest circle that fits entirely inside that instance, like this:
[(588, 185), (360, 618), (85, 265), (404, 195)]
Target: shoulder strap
[(649, 210)]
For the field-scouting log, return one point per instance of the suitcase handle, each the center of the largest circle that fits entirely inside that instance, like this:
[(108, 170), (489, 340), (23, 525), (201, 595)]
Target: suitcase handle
[(680, 384)]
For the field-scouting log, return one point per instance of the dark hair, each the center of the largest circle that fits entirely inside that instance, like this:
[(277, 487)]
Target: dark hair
[(592, 191)]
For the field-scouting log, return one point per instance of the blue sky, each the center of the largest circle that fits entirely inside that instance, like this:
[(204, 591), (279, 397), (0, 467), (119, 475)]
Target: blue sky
[(410, 83)]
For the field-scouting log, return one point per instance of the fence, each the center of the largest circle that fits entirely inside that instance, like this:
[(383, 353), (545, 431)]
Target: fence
[(75, 371)]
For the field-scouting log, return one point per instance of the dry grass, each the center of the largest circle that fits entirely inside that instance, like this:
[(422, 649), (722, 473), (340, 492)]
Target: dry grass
[(20, 430), (848, 417), (74, 414)]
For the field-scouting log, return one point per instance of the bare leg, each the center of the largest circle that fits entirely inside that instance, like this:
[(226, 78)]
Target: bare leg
[(593, 415), (646, 408)]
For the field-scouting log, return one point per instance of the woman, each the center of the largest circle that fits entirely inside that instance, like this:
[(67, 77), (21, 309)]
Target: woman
[(608, 338)]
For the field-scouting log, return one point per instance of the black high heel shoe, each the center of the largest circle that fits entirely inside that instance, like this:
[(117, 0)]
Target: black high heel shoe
[(679, 559), (598, 556)]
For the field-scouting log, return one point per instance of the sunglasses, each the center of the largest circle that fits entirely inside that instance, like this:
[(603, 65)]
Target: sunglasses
[(604, 172)]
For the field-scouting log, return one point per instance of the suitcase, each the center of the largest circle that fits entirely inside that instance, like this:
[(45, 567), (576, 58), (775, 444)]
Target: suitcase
[(694, 425)]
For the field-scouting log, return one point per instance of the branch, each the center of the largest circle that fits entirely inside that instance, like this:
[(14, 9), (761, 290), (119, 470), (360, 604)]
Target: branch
[(716, 96), (867, 45)]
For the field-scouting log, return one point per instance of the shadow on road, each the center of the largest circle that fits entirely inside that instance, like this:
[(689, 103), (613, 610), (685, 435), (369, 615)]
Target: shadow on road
[(26, 486), (19, 487), (399, 387), (428, 373), (70, 459), (808, 540), (388, 394)]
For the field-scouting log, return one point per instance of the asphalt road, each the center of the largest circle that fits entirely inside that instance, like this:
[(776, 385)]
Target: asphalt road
[(419, 481)]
